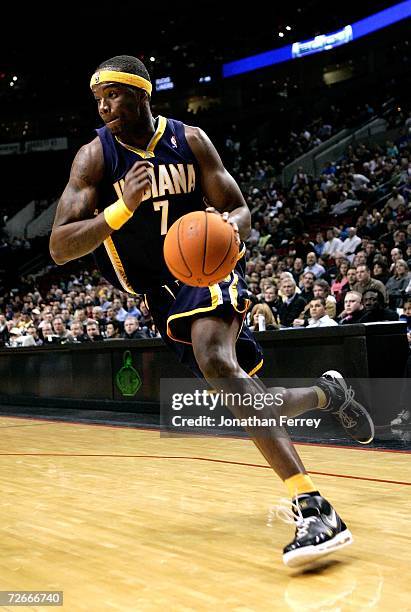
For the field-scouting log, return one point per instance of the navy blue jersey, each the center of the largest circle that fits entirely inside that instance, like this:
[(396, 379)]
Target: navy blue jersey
[(131, 258)]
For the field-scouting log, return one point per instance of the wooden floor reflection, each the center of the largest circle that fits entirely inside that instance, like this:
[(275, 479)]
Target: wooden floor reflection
[(122, 519)]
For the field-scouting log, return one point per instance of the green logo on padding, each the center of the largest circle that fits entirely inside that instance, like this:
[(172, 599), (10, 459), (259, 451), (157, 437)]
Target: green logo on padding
[(128, 379)]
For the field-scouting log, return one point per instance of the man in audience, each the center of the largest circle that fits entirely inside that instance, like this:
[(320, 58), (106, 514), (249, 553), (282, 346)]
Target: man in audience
[(365, 282), (292, 303), (395, 200), (77, 332), (60, 331), (333, 244), (132, 308), (353, 308), (31, 338), (307, 286), (321, 289), (93, 331), (98, 315), (312, 265), (374, 308), (318, 314), (132, 329), (351, 243), (48, 334)]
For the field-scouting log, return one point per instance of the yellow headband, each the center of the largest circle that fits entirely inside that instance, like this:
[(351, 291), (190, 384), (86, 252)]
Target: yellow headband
[(113, 76)]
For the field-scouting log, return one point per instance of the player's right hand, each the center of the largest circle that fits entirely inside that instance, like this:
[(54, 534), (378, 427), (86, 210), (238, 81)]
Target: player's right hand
[(137, 179)]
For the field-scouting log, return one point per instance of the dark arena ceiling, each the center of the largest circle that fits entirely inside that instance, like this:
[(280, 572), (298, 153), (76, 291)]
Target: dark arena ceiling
[(73, 37)]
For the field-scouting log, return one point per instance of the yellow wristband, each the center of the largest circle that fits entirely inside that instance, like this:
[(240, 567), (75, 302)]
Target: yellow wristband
[(117, 214)]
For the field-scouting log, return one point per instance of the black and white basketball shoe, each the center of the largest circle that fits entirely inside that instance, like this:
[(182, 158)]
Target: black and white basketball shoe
[(319, 531), (343, 406)]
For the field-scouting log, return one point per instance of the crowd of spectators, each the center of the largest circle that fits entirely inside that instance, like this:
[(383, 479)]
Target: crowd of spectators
[(323, 251)]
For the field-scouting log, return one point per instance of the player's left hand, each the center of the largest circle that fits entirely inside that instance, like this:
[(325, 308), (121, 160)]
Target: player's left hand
[(226, 217)]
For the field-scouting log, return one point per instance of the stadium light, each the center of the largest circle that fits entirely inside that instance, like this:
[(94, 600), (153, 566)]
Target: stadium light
[(324, 42)]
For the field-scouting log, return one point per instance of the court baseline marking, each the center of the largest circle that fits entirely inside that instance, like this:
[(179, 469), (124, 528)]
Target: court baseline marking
[(46, 420), (399, 482)]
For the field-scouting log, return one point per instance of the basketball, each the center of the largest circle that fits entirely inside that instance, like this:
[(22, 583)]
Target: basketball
[(200, 249)]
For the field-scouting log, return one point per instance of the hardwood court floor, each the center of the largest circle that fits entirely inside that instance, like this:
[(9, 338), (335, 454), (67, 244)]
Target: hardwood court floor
[(121, 519)]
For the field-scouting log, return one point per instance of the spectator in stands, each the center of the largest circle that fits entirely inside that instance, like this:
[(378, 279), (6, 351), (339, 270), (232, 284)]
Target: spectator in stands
[(306, 286), (374, 308), (319, 244), (98, 315), (314, 267), (33, 333), (14, 337), (370, 251), (359, 182), (406, 190), (398, 283), (380, 270), (113, 330), (396, 255), (60, 330), (93, 331), (322, 289), (364, 282), (132, 308), (391, 148), (292, 303), (120, 312), (77, 332), (353, 308), (344, 204), (153, 332), (318, 314), (333, 244), (46, 317), (400, 241), (262, 318), (304, 247), (146, 320), (132, 329), (270, 297), (47, 333), (406, 316), (105, 303), (4, 332), (300, 177), (395, 200), (80, 315), (66, 316), (110, 315), (340, 281), (298, 267), (351, 243)]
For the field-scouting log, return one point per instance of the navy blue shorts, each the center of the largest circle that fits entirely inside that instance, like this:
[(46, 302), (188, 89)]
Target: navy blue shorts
[(173, 307)]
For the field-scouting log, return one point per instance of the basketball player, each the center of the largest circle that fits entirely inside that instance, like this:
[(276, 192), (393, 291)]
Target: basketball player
[(126, 188)]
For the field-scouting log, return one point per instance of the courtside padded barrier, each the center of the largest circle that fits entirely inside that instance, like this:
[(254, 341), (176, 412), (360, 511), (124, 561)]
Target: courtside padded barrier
[(125, 375)]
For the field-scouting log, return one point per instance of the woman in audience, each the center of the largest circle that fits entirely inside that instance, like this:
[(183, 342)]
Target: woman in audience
[(262, 318), (398, 283), (340, 280), (380, 269)]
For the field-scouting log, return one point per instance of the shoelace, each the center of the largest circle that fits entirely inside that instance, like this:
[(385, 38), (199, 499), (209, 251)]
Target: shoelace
[(293, 516), (349, 394)]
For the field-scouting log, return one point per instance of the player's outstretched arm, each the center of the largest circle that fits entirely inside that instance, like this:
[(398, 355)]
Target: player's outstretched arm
[(77, 230), (219, 187)]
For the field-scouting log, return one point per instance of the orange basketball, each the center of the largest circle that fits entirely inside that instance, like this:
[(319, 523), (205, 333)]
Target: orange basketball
[(200, 249)]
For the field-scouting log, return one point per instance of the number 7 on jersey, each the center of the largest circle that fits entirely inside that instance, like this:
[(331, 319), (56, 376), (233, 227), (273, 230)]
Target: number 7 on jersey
[(163, 206)]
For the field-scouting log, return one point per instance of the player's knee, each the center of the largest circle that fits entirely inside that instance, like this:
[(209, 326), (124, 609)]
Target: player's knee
[(216, 363)]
